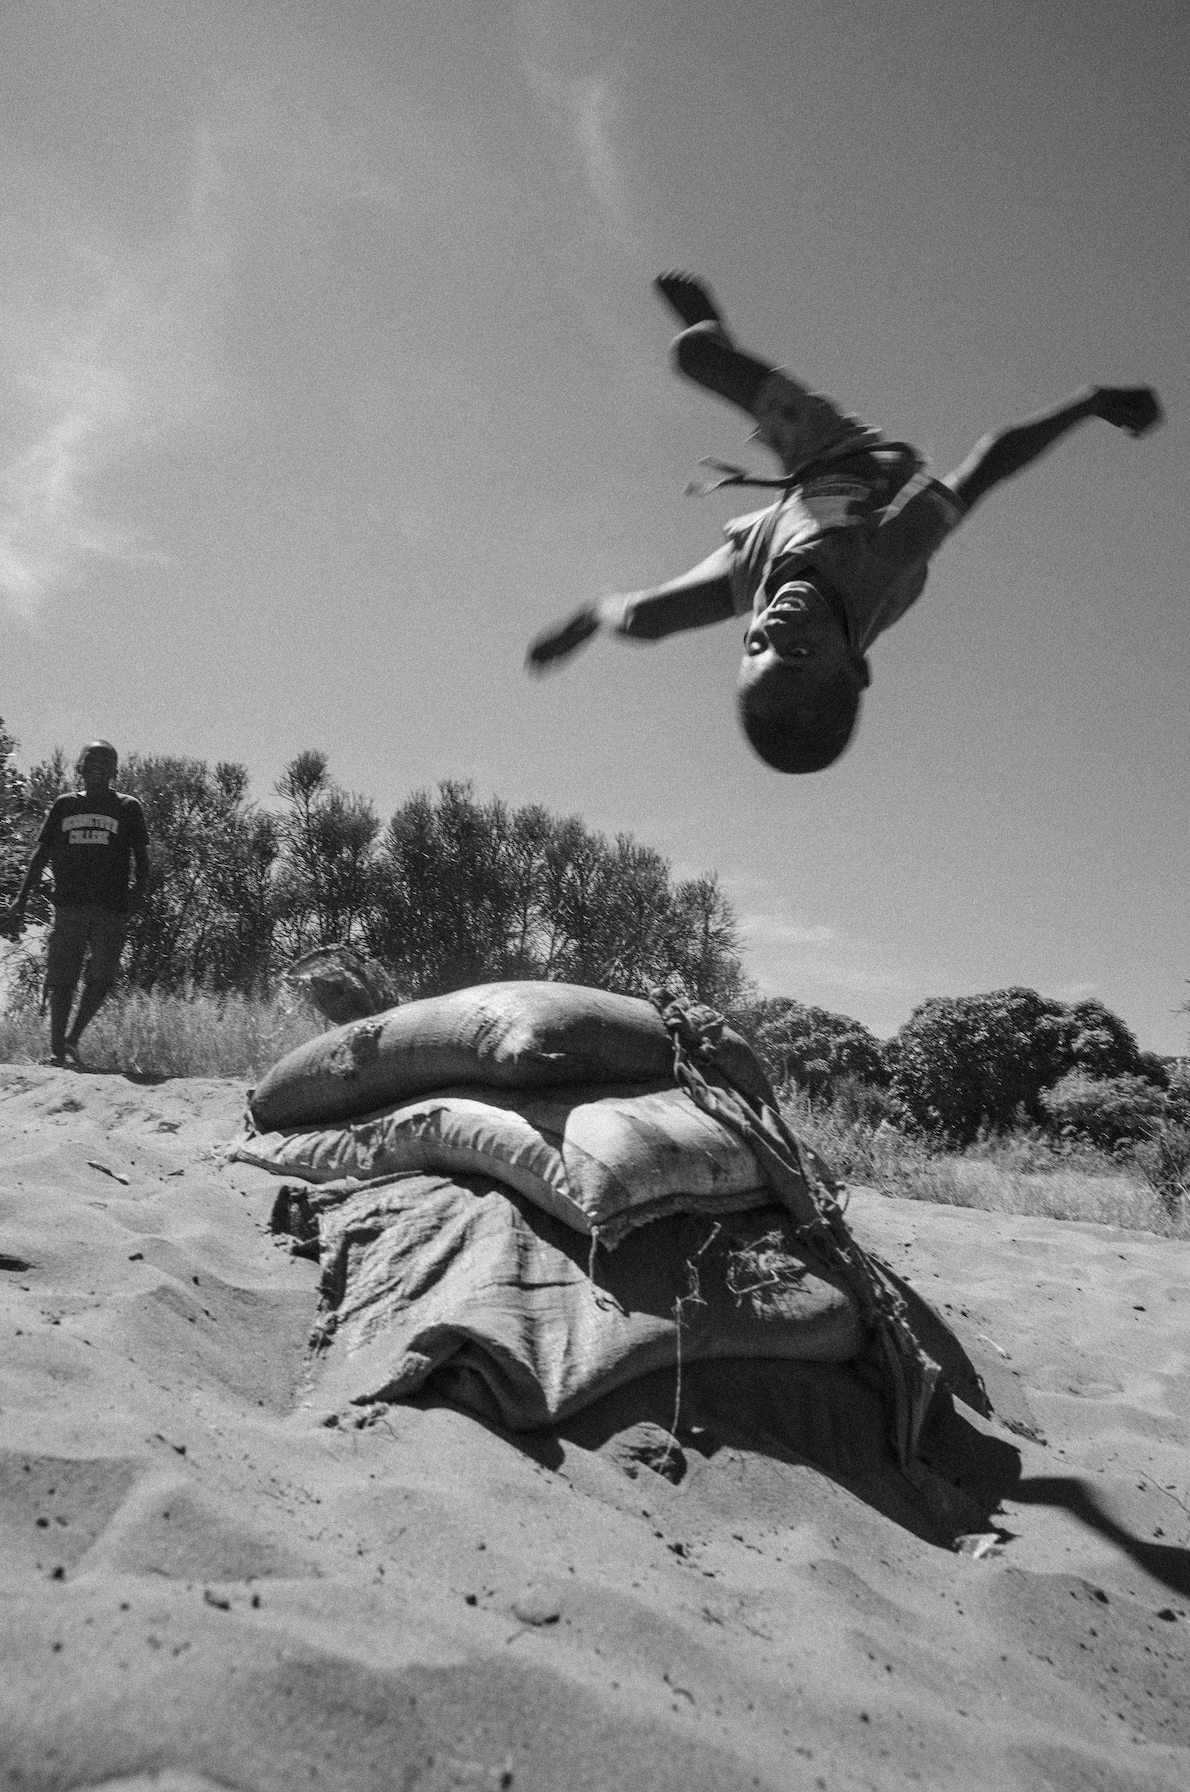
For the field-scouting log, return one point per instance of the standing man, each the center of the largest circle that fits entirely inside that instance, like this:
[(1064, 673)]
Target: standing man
[(87, 840)]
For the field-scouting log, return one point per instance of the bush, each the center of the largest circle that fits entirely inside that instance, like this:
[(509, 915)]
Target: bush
[(968, 1062), (971, 1063), (1105, 1110), (1163, 1158), (812, 1048), (1177, 1092)]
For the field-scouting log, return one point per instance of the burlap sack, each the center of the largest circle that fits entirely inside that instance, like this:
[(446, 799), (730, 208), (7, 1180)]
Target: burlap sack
[(601, 1159)]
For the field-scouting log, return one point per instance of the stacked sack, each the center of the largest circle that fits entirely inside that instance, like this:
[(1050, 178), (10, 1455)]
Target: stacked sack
[(607, 1114), (563, 1093)]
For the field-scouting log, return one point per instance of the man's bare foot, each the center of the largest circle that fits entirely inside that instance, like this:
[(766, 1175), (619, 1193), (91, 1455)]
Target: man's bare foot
[(689, 298), (1134, 408), (70, 1056)]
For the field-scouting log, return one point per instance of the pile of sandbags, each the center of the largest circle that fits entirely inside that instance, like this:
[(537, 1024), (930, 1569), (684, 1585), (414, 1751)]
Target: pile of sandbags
[(455, 1147), (563, 1093)]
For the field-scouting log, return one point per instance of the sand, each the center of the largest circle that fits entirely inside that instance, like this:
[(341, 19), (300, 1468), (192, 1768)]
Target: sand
[(205, 1585)]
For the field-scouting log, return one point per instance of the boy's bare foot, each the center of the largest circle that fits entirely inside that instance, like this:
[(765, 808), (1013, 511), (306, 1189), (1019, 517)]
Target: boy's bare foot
[(1134, 408), (689, 298)]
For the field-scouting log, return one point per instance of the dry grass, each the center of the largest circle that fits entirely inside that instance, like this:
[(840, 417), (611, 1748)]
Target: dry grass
[(1111, 1198), (181, 1035), (1017, 1173)]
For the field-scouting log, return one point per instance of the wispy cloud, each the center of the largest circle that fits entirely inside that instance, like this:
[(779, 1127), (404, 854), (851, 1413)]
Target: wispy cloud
[(775, 930), (101, 350), (106, 348), (585, 102), (592, 109)]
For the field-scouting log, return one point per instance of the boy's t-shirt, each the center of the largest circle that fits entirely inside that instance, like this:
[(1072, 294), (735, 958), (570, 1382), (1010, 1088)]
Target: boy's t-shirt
[(869, 548), (89, 841)]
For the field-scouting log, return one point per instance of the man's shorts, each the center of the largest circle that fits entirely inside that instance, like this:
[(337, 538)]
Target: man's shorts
[(73, 931)]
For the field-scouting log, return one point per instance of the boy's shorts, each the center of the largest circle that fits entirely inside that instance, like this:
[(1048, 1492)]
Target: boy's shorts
[(800, 426), (869, 534), (73, 931)]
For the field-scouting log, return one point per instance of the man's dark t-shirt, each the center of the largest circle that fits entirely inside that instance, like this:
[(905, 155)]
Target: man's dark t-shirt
[(89, 841)]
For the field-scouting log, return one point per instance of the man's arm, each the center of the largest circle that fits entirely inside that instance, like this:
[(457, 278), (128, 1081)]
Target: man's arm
[(693, 600), (1006, 451)]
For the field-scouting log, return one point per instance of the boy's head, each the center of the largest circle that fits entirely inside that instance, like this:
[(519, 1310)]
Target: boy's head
[(800, 680)]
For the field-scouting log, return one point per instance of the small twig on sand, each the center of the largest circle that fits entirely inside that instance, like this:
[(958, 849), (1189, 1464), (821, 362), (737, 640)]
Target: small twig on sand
[(692, 1297), (1167, 1491)]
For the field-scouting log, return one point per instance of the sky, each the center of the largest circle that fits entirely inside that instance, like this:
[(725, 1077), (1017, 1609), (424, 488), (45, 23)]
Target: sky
[(332, 374)]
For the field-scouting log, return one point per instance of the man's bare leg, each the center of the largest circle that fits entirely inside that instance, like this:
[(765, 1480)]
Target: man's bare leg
[(704, 351), (60, 1000), (93, 997)]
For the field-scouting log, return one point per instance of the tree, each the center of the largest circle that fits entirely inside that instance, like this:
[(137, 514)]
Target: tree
[(705, 942), (812, 1047), (24, 802), (969, 1062), (12, 817), (1098, 1043), (205, 916), (469, 892), (455, 893), (323, 887)]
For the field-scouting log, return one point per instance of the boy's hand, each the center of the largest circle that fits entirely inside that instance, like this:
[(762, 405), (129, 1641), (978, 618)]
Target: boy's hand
[(559, 643), (1134, 408), (12, 919)]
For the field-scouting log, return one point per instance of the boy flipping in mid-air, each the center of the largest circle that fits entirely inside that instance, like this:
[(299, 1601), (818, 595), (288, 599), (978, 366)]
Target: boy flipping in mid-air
[(839, 557)]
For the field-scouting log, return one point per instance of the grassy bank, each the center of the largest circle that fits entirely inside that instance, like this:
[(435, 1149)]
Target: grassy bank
[(182, 1035)]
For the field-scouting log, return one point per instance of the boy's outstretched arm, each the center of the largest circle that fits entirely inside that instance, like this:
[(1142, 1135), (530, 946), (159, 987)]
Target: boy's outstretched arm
[(692, 600), (1006, 451)]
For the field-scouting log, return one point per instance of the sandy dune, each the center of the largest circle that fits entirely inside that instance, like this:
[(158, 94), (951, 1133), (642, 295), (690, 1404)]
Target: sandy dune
[(205, 1585)]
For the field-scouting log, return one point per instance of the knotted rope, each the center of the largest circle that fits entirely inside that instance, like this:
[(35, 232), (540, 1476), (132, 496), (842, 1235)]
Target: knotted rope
[(723, 1077)]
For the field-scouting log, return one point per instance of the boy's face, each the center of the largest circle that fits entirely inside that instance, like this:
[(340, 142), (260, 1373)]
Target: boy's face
[(793, 646)]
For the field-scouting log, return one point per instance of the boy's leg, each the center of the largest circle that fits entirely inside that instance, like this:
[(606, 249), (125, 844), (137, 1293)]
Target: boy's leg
[(704, 351), (797, 424)]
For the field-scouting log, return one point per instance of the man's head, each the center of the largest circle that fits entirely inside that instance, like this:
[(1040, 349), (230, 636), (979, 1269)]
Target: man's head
[(97, 766), (800, 680)]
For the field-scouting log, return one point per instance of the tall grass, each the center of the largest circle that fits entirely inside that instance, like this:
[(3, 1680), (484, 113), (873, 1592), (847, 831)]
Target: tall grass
[(1017, 1172), (173, 1035)]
